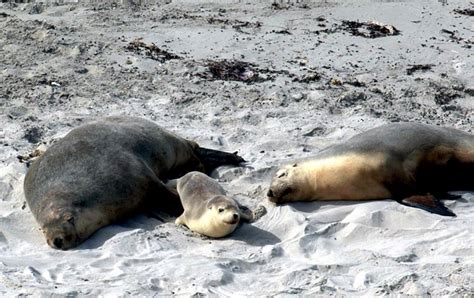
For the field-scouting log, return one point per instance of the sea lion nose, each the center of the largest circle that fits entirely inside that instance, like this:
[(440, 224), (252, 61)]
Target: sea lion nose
[(58, 242), (270, 193), (236, 216)]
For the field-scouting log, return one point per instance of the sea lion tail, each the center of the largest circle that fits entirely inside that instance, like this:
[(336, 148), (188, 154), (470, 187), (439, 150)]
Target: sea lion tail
[(212, 159)]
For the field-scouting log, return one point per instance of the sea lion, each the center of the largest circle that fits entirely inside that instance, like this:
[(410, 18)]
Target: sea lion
[(207, 209), (414, 164), (104, 171)]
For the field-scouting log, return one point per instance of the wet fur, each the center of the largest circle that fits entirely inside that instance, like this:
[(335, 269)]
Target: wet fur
[(392, 161)]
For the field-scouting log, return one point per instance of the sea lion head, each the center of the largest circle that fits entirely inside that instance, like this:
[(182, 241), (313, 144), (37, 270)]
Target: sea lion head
[(289, 184), (225, 209), (60, 231), (222, 216)]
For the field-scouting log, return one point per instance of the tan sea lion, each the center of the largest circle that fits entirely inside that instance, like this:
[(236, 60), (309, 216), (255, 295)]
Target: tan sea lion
[(414, 164), (207, 209), (105, 171)]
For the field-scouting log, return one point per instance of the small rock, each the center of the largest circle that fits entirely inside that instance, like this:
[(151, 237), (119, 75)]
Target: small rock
[(350, 98)]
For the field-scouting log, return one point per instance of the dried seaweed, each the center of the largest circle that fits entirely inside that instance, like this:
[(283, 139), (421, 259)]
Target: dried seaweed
[(466, 11), (369, 29), (150, 50), (236, 24), (416, 67), (233, 70), (308, 78), (453, 35)]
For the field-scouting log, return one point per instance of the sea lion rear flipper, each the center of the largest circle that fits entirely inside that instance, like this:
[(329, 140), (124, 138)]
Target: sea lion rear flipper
[(212, 159), (427, 202), (447, 196)]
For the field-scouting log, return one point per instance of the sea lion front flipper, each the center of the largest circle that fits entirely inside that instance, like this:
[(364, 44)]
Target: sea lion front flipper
[(246, 214), (427, 202), (172, 185), (180, 220), (164, 198)]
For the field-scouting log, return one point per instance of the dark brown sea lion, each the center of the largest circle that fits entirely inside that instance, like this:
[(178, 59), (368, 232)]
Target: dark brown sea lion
[(105, 171), (414, 164)]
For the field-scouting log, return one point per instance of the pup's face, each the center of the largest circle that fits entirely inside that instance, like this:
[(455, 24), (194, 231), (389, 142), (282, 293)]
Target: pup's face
[(225, 209), (60, 232), (287, 185)]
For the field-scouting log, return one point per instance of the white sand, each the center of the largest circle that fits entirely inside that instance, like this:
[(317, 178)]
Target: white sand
[(350, 248)]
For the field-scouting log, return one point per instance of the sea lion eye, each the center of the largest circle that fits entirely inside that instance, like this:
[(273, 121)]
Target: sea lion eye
[(281, 174), (221, 210), (71, 220)]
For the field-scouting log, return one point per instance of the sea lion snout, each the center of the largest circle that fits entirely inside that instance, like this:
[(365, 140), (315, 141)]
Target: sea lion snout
[(271, 196), (230, 216), (281, 186), (58, 242), (61, 234), (270, 193), (61, 240), (235, 219), (278, 192)]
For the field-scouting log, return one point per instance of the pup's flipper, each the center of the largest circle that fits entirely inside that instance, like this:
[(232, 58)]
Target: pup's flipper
[(212, 159), (245, 213), (251, 216), (428, 203)]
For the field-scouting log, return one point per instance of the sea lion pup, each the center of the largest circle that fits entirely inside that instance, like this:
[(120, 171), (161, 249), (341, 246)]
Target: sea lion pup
[(105, 171), (414, 164), (207, 209)]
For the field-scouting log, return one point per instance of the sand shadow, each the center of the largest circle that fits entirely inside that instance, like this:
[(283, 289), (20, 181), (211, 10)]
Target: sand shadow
[(310, 207), (106, 233), (254, 236)]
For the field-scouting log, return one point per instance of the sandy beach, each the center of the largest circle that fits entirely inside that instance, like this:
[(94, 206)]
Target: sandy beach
[(275, 81)]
